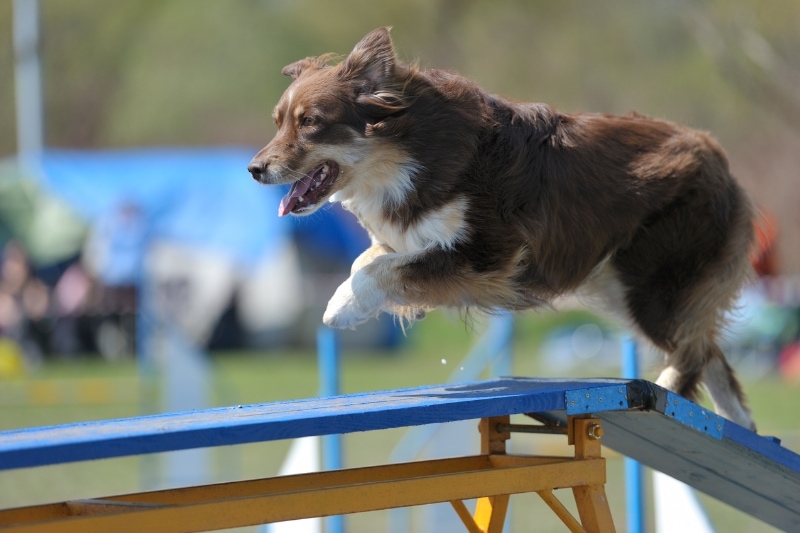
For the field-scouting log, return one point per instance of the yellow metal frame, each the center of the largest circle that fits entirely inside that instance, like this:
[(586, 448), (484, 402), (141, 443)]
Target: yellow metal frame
[(491, 477)]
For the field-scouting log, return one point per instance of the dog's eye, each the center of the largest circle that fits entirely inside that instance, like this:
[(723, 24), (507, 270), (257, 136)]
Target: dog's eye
[(309, 121)]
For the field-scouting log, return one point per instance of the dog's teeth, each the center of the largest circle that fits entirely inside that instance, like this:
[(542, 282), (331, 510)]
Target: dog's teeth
[(325, 169), (323, 176), (299, 198)]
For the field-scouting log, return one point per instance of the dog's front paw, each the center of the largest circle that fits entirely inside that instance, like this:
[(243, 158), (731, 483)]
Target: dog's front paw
[(355, 301), (343, 315)]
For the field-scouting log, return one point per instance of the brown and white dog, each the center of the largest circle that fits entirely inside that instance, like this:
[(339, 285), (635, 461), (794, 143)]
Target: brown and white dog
[(475, 201)]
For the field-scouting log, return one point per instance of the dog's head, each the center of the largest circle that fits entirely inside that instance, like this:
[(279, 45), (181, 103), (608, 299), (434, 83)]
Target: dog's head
[(330, 121)]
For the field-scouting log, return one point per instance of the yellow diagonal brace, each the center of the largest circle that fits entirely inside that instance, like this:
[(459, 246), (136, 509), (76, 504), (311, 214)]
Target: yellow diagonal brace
[(562, 512), (466, 517)]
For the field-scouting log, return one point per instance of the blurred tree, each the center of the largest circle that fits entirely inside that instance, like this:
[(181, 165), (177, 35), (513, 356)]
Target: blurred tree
[(8, 142), (201, 72), (85, 52)]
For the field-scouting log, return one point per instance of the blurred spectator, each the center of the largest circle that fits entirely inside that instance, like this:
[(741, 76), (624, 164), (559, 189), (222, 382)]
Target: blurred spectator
[(70, 299), (115, 247), (113, 255), (24, 303)]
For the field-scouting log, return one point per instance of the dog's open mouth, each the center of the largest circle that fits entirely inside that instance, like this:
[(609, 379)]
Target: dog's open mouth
[(308, 190)]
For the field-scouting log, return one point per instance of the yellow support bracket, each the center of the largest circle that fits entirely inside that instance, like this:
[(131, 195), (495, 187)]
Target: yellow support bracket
[(491, 477), (595, 515)]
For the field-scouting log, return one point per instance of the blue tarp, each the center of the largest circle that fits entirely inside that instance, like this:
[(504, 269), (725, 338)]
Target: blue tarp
[(200, 197)]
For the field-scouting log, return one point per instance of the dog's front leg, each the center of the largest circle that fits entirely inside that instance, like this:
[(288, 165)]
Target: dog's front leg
[(369, 255), (359, 298), (370, 289)]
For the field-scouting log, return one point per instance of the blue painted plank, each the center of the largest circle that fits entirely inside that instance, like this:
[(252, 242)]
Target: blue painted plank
[(280, 420), (691, 414), (596, 399)]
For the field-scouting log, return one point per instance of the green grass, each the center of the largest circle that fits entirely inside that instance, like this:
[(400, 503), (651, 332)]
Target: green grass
[(241, 378)]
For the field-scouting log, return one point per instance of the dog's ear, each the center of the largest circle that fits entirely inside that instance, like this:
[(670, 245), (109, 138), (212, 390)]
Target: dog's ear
[(373, 64), (295, 69), (372, 59)]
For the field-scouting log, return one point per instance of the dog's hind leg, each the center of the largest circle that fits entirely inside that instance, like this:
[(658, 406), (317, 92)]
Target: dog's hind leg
[(703, 362), (682, 272), (725, 391), (684, 370)]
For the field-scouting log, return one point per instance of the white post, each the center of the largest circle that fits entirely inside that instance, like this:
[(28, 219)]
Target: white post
[(28, 79), (677, 507)]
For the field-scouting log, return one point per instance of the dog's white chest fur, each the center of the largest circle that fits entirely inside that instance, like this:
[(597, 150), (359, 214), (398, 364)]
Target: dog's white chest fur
[(391, 178), (442, 227)]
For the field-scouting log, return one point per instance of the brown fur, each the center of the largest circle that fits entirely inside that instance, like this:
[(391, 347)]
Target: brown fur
[(476, 201)]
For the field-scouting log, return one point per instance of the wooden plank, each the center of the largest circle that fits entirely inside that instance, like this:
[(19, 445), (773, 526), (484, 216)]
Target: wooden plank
[(280, 420), (722, 468), (316, 494), (245, 489), (752, 473)]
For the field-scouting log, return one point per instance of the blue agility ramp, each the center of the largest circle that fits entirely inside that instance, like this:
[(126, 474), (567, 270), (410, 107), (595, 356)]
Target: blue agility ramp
[(634, 417), (670, 434)]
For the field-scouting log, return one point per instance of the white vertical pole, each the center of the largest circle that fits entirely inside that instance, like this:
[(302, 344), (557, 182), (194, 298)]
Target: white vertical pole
[(186, 386), (677, 507), (28, 79), (303, 457)]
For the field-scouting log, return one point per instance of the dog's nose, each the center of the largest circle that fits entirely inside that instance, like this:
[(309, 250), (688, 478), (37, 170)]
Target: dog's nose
[(257, 168)]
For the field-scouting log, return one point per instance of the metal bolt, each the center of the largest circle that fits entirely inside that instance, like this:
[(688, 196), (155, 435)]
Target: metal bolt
[(594, 431), (587, 394)]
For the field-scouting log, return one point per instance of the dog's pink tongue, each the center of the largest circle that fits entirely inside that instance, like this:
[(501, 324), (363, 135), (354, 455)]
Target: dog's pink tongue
[(299, 188)]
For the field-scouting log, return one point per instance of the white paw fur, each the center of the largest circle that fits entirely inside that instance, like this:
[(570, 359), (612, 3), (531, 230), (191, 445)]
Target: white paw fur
[(355, 301)]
